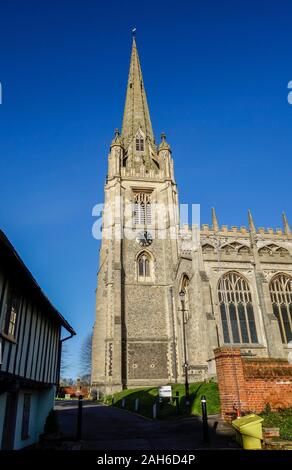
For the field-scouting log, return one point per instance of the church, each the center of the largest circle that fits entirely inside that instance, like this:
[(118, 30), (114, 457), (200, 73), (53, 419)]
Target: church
[(167, 294)]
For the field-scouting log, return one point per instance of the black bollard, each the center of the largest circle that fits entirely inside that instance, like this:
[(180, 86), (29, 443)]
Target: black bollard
[(205, 420), (79, 418)]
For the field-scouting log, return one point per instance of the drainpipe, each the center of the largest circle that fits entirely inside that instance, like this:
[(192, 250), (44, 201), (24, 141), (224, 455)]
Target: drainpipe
[(59, 358)]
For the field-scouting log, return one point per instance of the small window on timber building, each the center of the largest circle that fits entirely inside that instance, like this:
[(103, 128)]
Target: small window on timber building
[(12, 308)]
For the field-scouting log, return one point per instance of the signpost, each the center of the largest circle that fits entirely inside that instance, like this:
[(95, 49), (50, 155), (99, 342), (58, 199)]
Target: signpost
[(165, 391), (164, 394)]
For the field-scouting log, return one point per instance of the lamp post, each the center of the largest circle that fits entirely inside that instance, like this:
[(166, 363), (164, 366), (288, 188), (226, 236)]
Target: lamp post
[(182, 296)]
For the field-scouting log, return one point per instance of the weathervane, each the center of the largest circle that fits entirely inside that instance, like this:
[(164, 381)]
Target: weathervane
[(134, 32)]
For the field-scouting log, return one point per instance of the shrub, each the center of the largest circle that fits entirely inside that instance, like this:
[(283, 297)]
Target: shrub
[(51, 425)]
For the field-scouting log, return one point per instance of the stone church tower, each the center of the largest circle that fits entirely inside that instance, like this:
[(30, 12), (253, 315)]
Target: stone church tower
[(168, 295), (133, 341)]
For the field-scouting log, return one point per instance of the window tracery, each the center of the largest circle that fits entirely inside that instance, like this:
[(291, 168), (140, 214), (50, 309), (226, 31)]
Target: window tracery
[(281, 297), (236, 309)]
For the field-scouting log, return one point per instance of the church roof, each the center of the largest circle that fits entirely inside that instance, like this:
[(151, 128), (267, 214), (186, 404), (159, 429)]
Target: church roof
[(136, 112), (10, 258)]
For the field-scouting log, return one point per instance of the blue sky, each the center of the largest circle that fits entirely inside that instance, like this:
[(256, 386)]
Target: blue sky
[(216, 75)]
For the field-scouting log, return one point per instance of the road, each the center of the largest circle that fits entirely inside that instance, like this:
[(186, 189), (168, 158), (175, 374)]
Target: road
[(110, 428)]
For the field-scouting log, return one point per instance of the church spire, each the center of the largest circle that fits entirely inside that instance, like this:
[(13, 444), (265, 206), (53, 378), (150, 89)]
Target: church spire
[(287, 229), (136, 112)]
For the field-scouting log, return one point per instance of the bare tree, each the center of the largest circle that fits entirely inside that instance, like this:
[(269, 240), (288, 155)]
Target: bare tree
[(64, 361), (85, 359), (64, 380)]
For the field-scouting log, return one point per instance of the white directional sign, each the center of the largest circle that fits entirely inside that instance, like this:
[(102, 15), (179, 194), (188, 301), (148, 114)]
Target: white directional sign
[(165, 391)]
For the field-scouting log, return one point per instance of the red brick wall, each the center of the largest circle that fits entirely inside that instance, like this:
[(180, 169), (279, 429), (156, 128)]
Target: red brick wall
[(74, 390), (249, 384)]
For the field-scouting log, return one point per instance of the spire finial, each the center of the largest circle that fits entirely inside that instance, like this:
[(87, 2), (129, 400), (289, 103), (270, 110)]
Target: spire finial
[(117, 139), (250, 222), (287, 229), (214, 221), (163, 144), (134, 32)]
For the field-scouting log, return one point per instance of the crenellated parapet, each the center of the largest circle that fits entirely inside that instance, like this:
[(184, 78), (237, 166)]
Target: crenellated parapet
[(142, 174), (267, 245), (266, 232), (230, 231)]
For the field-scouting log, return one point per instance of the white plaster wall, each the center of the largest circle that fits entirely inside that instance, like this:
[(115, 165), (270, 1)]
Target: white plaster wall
[(42, 401), (46, 403)]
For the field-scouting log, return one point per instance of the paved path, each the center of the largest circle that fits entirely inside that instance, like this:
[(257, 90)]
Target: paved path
[(110, 428)]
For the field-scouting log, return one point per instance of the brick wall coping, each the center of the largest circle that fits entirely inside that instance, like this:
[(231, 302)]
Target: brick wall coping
[(265, 360), (227, 351)]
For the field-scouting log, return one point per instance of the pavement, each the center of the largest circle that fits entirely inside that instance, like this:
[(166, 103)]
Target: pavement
[(110, 428)]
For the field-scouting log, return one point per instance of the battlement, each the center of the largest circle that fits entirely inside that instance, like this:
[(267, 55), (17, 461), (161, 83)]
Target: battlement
[(192, 232), (142, 174), (226, 230)]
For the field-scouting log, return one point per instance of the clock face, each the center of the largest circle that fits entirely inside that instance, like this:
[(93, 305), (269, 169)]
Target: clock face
[(144, 238)]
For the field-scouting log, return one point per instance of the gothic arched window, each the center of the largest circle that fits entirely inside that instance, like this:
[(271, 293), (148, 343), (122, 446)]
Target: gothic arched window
[(143, 266), (142, 208), (281, 296), (236, 309)]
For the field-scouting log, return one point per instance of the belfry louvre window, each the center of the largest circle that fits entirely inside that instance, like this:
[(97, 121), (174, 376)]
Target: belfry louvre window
[(142, 208), (236, 309), (143, 266), (140, 144), (281, 296)]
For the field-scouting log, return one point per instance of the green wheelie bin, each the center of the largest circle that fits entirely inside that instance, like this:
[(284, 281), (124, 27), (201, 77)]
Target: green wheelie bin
[(249, 432)]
